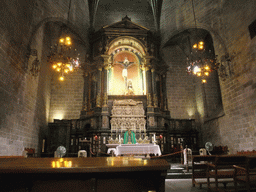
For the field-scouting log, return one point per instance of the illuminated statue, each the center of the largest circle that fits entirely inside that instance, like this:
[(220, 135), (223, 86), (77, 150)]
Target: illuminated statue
[(129, 87), (126, 63), (129, 137)]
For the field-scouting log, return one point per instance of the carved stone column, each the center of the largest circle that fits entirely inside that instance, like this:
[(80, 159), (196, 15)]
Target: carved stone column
[(165, 104), (99, 81), (86, 89), (105, 80), (149, 81), (105, 110), (154, 90)]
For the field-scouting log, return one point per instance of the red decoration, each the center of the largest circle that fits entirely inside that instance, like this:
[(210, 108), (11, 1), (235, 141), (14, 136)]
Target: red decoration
[(161, 136), (95, 137)]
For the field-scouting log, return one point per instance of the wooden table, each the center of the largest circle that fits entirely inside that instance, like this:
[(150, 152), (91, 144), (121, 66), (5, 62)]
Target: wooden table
[(83, 174)]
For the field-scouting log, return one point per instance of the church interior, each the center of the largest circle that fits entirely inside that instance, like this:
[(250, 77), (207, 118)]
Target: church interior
[(92, 74)]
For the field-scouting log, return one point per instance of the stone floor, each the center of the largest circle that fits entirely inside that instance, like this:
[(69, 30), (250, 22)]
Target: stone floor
[(182, 185), (185, 185), (180, 180)]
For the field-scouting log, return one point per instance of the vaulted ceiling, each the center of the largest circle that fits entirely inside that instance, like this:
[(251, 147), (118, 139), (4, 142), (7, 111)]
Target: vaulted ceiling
[(143, 12)]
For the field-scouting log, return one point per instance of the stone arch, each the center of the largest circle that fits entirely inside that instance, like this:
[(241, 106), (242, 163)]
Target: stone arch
[(208, 102), (42, 23), (129, 42), (69, 25), (133, 49), (217, 39)]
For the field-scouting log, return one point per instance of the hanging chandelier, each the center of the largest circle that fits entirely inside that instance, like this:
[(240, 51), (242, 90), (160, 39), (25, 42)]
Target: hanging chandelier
[(63, 58), (201, 60)]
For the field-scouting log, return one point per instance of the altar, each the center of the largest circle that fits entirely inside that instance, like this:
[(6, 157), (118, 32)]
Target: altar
[(138, 149), (134, 149)]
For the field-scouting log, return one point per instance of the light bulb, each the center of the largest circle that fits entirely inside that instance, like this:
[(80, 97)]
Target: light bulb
[(196, 69), (198, 74), (66, 70), (61, 40), (58, 69), (201, 43), (54, 66), (68, 39), (203, 81), (195, 46), (200, 47), (207, 67), (206, 73), (59, 64), (61, 78)]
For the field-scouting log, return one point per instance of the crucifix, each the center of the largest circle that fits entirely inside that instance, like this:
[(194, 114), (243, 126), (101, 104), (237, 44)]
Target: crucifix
[(126, 63)]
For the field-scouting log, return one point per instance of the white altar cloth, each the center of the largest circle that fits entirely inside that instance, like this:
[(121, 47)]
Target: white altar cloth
[(138, 149)]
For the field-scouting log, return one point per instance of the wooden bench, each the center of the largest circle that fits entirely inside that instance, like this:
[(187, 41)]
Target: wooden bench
[(246, 175), (199, 168), (222, 169)]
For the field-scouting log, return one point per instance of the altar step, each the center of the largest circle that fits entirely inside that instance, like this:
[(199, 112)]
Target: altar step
[(179, 171)]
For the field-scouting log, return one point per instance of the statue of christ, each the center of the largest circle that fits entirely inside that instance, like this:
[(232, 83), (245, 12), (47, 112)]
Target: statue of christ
[(126, 63)]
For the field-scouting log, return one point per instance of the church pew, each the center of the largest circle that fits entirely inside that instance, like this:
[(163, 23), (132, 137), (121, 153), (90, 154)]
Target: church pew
[(222, 169), (246, 176), (199, 168)]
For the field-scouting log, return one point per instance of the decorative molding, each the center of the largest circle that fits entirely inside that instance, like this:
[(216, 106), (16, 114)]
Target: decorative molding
[(151, 121), (128, 114), (105, 100), (149, 104), (155, 101), (98, 101), (105, 121)]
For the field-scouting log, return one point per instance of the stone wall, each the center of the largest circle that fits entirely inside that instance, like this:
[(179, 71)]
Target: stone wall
[(67, 97), (140, 13), (227, 22), (28, 103), (25, 99), (179, 85)]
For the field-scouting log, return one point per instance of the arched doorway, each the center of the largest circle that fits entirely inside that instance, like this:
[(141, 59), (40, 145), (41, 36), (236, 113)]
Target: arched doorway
[(127, 75)]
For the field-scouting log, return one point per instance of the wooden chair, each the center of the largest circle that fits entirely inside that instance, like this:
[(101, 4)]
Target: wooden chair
[(222, 169), (246, 176), (199, 168)]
